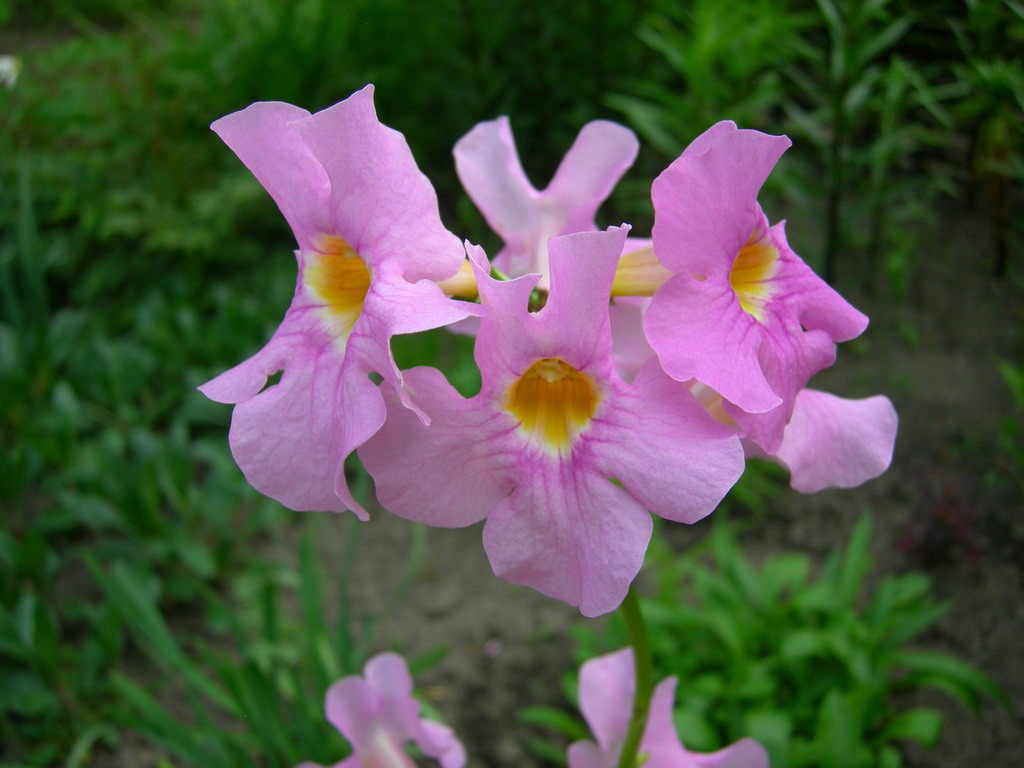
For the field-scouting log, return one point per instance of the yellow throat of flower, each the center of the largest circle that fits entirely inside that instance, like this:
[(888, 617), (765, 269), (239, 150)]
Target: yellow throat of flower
[(339, 278), (553, 403), (752, 273)]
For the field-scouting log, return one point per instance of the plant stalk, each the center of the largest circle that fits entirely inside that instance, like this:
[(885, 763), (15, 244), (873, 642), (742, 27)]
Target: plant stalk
[(644, 665)]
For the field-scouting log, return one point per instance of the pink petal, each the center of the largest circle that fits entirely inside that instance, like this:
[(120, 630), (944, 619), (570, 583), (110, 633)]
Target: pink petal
[(629, 342), (805, 296), (602, 153), (264, 137), (788, 358), (572, 326), (586, 754), (607, 685), (450, 474), (381, 203), (283, 437), (489, 168), (661, 740), (490, 171), (388, 676), (705, 202), (665, 449), (568, 533), (351, 708), (832, 442), (745, 753), (706, 140), (438, 741), (582, 270), (700, 331)]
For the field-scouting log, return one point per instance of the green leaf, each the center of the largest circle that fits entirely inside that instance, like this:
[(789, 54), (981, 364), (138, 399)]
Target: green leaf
[(696, 730), (24, 692), (139, 612), (920, 724), (856, 563), (800, 644), (555, 719), (839, 739), (928, 667)]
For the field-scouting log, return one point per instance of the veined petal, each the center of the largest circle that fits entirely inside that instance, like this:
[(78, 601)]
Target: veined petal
[(371, 245), (488, 166), (381, 203), (788, 357), (607, 685), (705, 202), (812, 301), (490, 170), (450, 474), (283, 437), (602, 153), (832, 442), (568, 533), (668, 453), (572, 326), (700, 331)]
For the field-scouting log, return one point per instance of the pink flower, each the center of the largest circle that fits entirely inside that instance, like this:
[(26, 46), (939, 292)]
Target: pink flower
[(742, 313), (492, 175), (371, 243), (560, 456), (829, 441), (607, 688), (378, 715)]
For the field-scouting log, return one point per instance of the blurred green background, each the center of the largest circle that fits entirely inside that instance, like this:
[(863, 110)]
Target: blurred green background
[(138, 258)]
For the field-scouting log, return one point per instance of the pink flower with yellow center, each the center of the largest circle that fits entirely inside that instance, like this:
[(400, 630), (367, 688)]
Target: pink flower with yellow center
[(492, 175), (378, 715), (606, 690), (371, 246), (559, 455), (741, 312)]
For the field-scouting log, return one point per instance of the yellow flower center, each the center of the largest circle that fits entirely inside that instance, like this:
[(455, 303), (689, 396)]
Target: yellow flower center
[(339, 279), (553, 402), (752, 273)]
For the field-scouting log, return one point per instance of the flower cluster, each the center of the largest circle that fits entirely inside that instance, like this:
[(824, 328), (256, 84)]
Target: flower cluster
[(620, 376)]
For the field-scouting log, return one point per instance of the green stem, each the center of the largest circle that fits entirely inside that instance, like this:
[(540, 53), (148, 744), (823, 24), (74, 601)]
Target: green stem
[(641, 643)]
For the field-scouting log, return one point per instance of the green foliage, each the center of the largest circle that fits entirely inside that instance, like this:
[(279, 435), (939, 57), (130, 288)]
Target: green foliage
[(813, 667), (724, 60), (259, 698)]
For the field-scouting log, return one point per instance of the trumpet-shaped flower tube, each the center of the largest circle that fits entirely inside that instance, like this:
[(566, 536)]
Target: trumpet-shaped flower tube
[(742, 313), (560, 456), (606, 690), (371, 245), (490, 171), (378, 715)]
